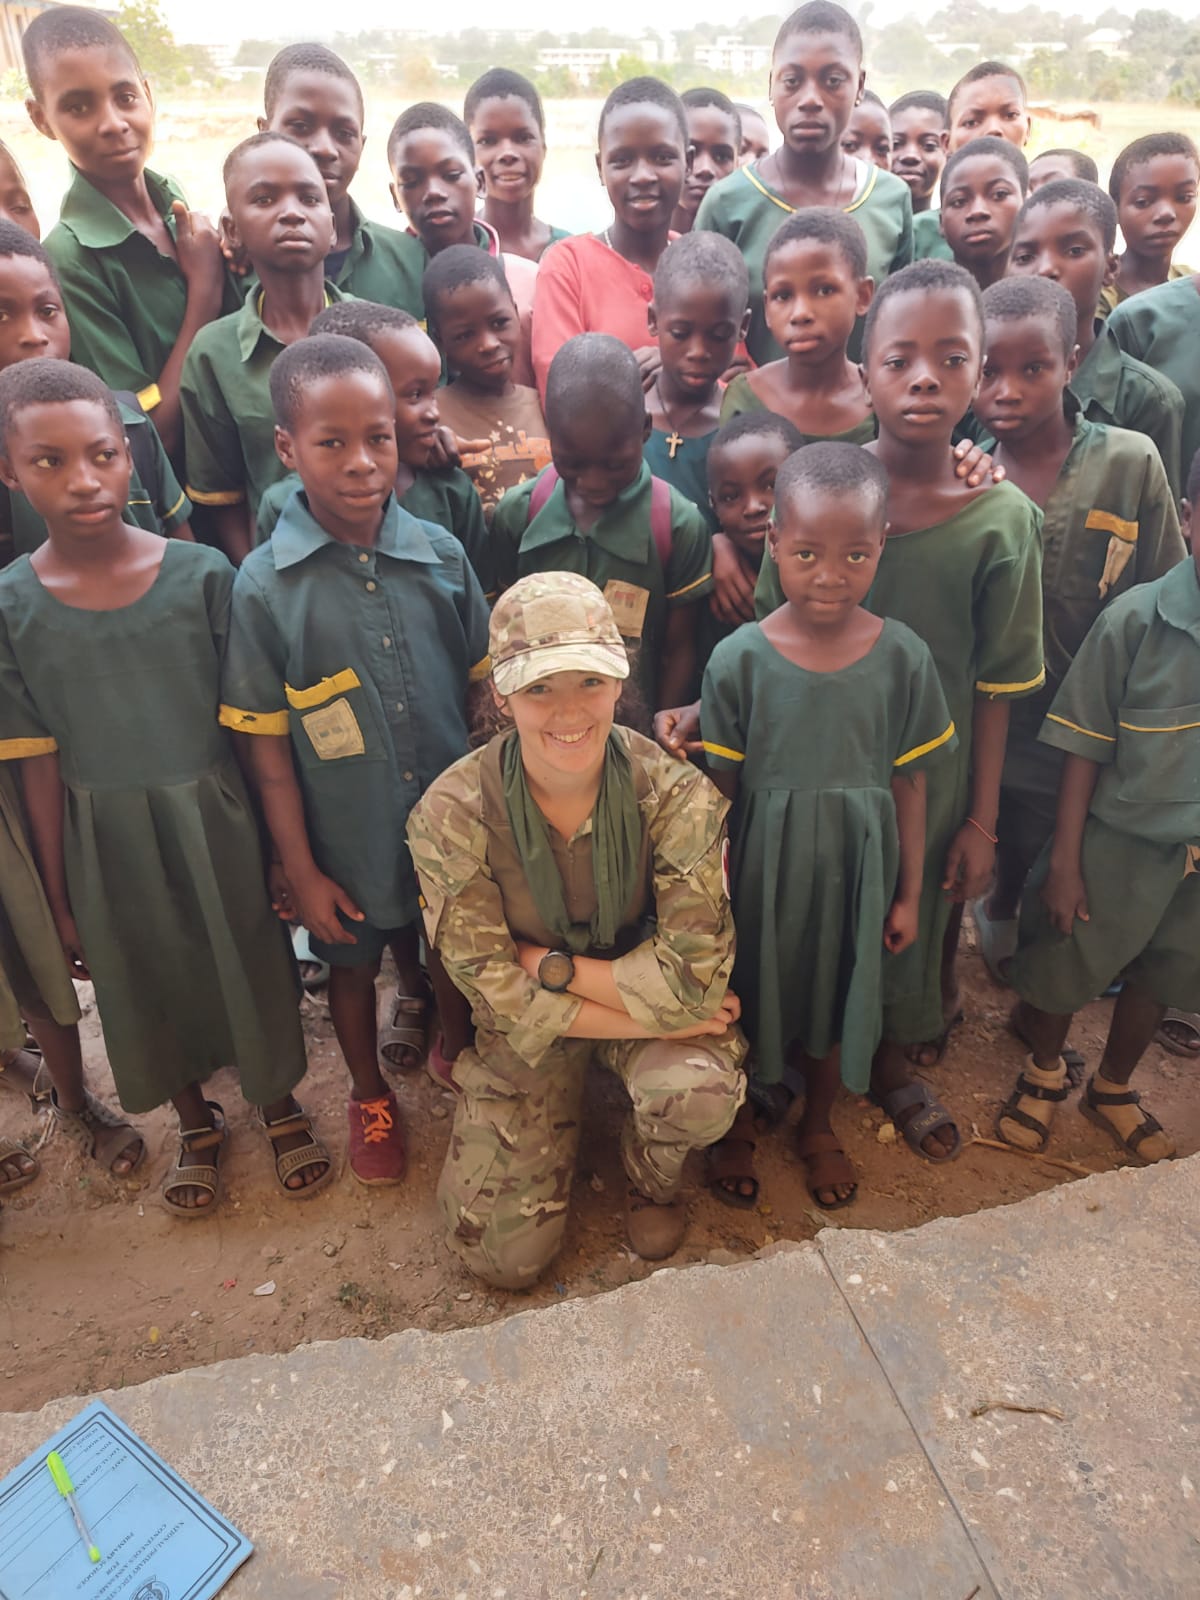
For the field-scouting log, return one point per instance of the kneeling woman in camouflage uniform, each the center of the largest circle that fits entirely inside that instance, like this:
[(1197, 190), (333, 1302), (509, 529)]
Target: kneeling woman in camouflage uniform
[(572, 883)]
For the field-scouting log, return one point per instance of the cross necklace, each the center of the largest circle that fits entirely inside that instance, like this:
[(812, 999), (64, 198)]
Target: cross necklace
[(675, 440)]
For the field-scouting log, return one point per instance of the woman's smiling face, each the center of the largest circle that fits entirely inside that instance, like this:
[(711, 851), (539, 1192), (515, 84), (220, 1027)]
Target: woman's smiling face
[(563, 722)]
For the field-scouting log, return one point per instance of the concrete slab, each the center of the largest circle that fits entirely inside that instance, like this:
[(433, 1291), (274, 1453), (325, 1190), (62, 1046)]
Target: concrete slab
[(707, 1433), (1086, 1299)]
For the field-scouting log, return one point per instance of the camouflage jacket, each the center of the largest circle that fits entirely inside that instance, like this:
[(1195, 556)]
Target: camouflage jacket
[(673, 978)]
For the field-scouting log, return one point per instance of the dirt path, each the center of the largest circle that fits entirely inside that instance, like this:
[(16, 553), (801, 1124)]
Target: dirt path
[(100, 1288)]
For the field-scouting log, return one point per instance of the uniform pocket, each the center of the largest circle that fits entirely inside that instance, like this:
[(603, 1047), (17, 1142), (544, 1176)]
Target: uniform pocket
[(1158, 754), (333, 721)]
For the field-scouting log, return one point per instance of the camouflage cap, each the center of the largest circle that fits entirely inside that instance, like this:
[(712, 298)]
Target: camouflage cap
[(553, 622)]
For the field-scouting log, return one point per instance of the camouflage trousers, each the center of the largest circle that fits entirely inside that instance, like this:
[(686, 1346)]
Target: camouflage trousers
[(506, 1184)]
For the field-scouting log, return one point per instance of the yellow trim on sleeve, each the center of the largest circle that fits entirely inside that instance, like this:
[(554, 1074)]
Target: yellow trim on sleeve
[(1109, 522), (271, 722), (1011, 688), (924, 749), (23, 749), (723, 751), (480, 670), (688, 587), (149, 397), (219, 497), (178, 506), (1178, 727), (1075, 728), (341, 681)]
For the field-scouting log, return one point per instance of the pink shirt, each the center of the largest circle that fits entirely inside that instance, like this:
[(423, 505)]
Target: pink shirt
[(583, 286)]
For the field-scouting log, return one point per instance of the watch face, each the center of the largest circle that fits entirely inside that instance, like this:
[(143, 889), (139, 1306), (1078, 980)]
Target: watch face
[(555, 970)]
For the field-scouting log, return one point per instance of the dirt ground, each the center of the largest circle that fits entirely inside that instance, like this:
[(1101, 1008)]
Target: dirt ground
[(100, 1287)]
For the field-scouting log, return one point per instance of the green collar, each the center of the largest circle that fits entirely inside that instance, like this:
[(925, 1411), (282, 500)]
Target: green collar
[(97, 223), (1179, 598), (298, 535), (1099, 375), (618, 529), (251, 329)]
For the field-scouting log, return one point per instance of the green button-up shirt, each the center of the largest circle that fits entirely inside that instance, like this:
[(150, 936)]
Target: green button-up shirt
[(1131, 703), (383, 265), (1161, 326), (124, 300), (362, 657), (228, 418), (617, 553), (1115, 388)]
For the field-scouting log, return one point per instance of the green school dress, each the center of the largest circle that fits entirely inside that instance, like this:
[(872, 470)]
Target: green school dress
[(741, 397), (929, 242), (33, 972), (686, 471), (815, 844), (971, 589), (748, 211), (164, 866), (1130, 703), (1161, 327)]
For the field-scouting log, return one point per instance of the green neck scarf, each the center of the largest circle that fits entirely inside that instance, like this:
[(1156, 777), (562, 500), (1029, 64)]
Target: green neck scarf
[(616, 849)]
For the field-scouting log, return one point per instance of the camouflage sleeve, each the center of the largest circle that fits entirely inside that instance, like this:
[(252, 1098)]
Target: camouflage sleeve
[(465, 922), (679, 976)]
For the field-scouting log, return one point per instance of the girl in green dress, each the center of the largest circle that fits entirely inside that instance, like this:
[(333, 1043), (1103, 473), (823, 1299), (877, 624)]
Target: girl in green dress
[(820, 722), (110, 651), (816, 81)]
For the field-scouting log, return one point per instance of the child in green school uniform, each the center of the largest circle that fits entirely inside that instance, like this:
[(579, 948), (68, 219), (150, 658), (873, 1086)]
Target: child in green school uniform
[(869, 131), (281, 217), (33, 323), (817, 290), (1118, 894), (714, 128), (1066, 232), (444, 495), (1153, 185), (600, 513), (989, 100), (151, 858), (504, 116), (436, 183), (311, 95), (919, 139), (699, 313), (354, 634), (1161, 327), (140, 272), (1108, 523), (474, 319), (816, 81), (820, 722), (984, 184)]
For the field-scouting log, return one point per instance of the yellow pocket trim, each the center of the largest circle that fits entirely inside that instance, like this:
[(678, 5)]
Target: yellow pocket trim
[(1088, 733), (1109, 522), (149, 397), (722, 750), (270, 722), (924, 749), (218, 497), (341, 681), (23, 749), (480, 670), (1178, 727), (1011, 688)]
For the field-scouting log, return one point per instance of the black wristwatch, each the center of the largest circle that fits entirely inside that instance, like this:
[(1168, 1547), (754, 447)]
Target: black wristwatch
[(556, 971)]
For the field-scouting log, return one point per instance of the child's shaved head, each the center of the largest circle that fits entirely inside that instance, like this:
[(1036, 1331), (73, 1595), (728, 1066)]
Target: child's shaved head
[(305, 58), (429, 115), (1087, 198), (17, 241), (47, 382), (823, 225), (593, 372), (707, 258), (982, 70), (833, 468), (258, 141), (1015, 299), (998, 150), (309, 361), (363, 320), (64, 28)]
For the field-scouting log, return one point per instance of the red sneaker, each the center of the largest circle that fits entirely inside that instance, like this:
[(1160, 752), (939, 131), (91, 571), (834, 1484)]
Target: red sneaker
[(377, 1153)]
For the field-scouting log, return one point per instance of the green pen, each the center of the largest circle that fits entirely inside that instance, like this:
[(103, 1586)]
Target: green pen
[(62, 1482)]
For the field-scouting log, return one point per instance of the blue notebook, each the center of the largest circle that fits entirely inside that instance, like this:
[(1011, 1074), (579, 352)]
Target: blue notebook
[(156, 1536)]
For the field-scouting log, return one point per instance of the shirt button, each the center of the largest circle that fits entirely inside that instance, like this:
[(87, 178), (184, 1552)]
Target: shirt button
[(408, 777), (364, 557), (371, 586), (399, 705), (387, 643)]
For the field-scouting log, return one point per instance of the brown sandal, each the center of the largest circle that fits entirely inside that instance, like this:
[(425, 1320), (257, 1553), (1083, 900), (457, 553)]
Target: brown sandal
[(11, 1151), (191, 1142), (99, 1132), (826, 1165), (305, 1155)]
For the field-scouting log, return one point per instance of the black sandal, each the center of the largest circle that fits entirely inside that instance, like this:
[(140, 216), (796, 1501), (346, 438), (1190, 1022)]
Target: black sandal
[(1093, 1098), (1012, 1111), (930, 1117)]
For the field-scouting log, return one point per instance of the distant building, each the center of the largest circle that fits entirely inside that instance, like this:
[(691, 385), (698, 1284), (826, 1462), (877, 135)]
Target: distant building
[(732, 55), (15, 17), (583, 63), (1106, 42)]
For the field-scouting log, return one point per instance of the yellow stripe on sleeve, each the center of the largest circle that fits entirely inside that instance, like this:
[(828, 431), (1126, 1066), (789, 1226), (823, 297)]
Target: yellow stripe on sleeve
[(271, 722), (1109, 522), (723, 751), (1011, 688), (23, 749), (688, 587), (924, 749), (341, 681), (178, 506), (480, 670), (219, 497), (1075, 728), (149, 397)]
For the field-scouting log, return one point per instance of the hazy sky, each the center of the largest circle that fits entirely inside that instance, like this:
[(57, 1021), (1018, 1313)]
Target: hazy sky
[(222, 21)]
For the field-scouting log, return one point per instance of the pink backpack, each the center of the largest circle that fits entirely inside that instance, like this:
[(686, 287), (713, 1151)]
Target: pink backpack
[(660, 510)]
